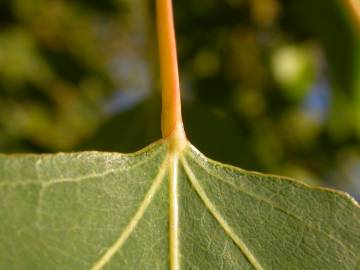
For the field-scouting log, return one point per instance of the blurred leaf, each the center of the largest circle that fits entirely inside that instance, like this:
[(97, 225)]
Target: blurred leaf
[(330, 22), (129, 130), (293, 69)]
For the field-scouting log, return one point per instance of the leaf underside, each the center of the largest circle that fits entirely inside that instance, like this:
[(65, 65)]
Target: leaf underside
[(94, 210)]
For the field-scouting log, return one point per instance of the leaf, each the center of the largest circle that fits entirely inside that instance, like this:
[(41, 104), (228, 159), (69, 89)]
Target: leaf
[(162, 208)]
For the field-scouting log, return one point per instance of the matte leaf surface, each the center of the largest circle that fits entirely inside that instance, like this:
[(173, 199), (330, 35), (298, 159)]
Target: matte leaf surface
[(160, 209)]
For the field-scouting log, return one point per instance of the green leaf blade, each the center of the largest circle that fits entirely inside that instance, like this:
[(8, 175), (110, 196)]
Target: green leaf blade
[(94, 210), (282, 223), (71, 208)]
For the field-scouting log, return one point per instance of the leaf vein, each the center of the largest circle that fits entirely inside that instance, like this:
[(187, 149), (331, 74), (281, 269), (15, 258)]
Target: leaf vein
[(219, 218), (130, 227), (274, 206), (74, 179), (46, 185)]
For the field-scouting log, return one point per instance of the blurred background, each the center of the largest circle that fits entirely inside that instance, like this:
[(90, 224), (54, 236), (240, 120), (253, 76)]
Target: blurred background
[(267, 85)]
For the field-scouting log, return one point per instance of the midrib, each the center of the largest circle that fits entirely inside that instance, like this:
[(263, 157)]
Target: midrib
[(173, 212)]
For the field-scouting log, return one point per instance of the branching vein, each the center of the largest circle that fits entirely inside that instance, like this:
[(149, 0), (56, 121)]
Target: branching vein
[(134, 221), (273, 205), (227, 228)]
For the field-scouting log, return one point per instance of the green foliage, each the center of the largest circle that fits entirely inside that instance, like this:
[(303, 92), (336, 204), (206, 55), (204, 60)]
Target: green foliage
[(253, 73), (53, 73), (94, 210)]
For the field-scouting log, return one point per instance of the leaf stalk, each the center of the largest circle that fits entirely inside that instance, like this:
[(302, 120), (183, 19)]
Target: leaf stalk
[(171, 119)]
